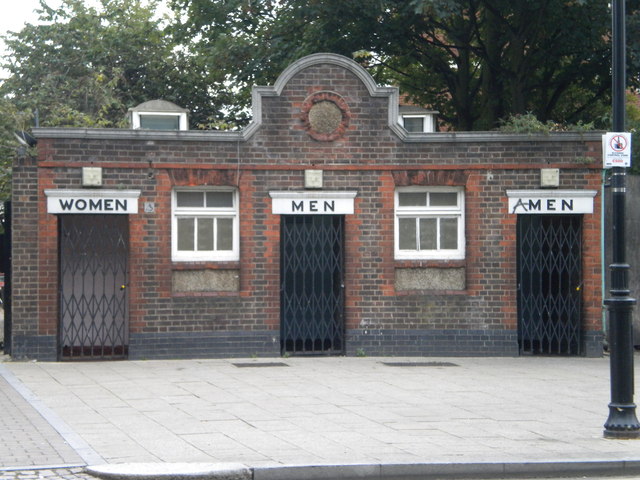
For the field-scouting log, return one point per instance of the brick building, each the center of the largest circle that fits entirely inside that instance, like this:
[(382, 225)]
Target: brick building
[(324, 227)]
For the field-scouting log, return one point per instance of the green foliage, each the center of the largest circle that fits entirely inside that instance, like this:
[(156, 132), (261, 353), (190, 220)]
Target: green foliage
[(11, 120), (633, 47), (529, 123), (633, 126), (526, 123), (85, 67), (476, 61)]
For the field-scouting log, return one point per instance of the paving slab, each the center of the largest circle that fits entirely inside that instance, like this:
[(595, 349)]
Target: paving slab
[(342, 415), (27, 437)]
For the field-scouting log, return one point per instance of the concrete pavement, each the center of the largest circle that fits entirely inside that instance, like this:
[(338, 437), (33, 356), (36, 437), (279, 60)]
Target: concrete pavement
[(335, 417)]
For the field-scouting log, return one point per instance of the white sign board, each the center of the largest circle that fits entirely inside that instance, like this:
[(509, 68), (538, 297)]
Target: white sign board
[(92, 201), (616, 149), (551, 201), (312, 203)]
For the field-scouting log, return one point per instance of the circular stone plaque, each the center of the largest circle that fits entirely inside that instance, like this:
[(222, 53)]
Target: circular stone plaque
[(325, 116)]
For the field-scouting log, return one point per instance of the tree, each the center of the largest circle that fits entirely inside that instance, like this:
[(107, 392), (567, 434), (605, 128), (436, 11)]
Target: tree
[(11, 120), (476, 61), (633, 126), (85, 66)]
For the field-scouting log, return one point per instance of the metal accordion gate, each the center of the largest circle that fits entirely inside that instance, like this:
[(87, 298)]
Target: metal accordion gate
[(312, 289), (549, 284), (93, 280)]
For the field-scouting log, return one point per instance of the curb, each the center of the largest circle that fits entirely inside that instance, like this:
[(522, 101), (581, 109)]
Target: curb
[(170, 471), (31, 468), (422, 471)]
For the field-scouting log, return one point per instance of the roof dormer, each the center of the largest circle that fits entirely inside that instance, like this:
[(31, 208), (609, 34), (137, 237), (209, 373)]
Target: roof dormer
[(417, 119), (158, 115)]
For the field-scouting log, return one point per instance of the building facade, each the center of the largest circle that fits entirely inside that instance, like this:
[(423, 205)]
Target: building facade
[(324, 227)]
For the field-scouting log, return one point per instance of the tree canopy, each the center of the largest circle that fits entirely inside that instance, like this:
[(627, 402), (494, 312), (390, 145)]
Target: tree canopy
[(84, 66), (476, 61)]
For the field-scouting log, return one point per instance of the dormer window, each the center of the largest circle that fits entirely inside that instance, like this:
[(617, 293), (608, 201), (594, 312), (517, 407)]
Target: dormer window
[(158, 115), (414, 123), (151, 121), (417, 119)]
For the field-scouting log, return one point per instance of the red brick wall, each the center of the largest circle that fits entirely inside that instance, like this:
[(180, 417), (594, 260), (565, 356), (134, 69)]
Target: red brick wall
[(369, 159)]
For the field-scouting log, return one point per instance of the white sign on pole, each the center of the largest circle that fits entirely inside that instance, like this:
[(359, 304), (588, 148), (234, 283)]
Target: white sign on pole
[(616, 149)]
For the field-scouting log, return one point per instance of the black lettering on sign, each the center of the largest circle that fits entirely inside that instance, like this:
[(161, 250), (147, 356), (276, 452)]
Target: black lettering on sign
[(567, 205), (93, 204)]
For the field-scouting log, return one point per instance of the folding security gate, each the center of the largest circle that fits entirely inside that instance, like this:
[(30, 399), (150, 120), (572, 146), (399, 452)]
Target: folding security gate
[(549, 284), (312, 289), (93, 280)]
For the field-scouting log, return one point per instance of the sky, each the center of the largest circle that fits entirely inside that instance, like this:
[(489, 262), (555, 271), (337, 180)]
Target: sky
[(15, 13)]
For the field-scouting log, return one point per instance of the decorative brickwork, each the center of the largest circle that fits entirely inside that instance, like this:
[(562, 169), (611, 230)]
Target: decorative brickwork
[(325, 116), (365, 152)]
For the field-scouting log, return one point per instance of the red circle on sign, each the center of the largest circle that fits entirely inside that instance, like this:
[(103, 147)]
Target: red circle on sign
[(618, 143)]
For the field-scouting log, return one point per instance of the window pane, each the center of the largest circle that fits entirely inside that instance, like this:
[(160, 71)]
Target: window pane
[(449, 233), (160, 122), (225, 234), (190, 199), (407, 233), (428, 233), (205, 234), (412, 199), (414, 124), (219, 199), (443, 199), (185, 234)]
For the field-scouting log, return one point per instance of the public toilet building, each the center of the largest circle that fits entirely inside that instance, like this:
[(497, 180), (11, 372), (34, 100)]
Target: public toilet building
[(325, 227)]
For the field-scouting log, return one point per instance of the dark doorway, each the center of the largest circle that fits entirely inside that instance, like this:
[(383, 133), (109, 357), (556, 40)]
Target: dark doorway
[(550, 284), (312, 288), (93, 286)]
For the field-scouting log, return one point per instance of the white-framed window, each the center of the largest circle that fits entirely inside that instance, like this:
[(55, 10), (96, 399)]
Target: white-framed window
[(159, 121), (417, 122), (429, 223), (414, 123), (205, 224)]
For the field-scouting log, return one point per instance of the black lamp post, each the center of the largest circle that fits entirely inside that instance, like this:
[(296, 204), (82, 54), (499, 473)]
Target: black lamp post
[(622, 421)]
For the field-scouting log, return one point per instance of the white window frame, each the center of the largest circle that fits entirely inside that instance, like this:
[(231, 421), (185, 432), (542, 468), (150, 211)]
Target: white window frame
[(430, 212), (205, 212), (182, 118), (427, 122)]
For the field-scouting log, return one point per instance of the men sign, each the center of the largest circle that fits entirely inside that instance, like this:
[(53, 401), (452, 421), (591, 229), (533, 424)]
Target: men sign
[(312, 203), (558, 202)]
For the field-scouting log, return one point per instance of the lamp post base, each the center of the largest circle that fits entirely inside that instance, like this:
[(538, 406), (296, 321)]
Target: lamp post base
[(622, 423)]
